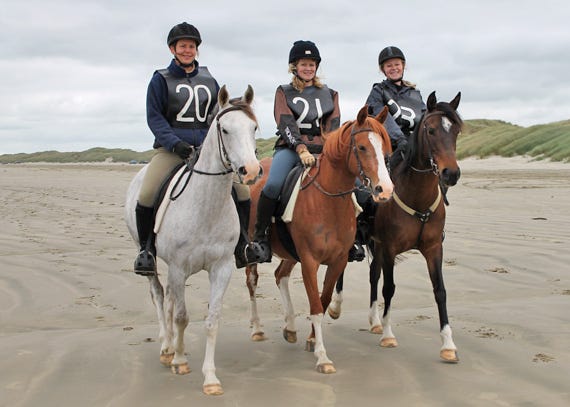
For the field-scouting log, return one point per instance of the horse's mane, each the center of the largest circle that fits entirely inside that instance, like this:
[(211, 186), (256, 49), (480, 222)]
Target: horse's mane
[(334, 145), (337, 141), (238, 102), (412, 147)]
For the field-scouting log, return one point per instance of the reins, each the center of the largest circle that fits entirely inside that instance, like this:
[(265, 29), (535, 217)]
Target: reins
[(424, 217), (190, 162), (352, 148)]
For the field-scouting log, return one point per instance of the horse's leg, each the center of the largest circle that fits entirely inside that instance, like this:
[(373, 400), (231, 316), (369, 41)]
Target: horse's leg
[(334, 308), (219, 281), (434, 259), (388, 340), (374, 313), (179, 318), (282, 275), (164, 334), (251, 278), (315, 341)]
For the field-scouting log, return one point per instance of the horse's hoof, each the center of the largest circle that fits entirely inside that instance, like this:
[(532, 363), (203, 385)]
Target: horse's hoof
[(326, 368), (290, 336), (377, 329), (388, 342), (166, 358), (258, 337), (213, 389), (449, 355), (180, 369), (310, 345), (333, 314)]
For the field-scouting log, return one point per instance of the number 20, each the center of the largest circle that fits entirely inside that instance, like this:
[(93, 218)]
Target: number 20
[(193, 94)]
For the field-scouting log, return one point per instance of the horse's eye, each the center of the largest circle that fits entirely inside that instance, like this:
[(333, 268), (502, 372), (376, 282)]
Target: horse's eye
[(431, 131), (362, 148), (224, 131)]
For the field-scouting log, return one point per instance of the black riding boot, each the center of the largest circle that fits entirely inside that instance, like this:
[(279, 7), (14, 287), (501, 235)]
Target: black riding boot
[(364, 223), (145, 263), (243, 208), (259, 251)]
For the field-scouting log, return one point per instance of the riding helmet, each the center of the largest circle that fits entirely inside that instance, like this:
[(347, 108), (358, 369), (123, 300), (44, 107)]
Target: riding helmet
[(184, 31), (304, 49), (389, 53)]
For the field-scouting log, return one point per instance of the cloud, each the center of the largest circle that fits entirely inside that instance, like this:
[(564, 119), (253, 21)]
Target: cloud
[(74, 74)]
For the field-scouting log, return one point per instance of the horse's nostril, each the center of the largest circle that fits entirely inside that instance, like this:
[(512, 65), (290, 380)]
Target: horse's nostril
[(378, 189), (242, 170)]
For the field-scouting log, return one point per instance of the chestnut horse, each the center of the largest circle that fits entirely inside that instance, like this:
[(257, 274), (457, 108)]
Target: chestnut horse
[(323, 223), (415, 218)]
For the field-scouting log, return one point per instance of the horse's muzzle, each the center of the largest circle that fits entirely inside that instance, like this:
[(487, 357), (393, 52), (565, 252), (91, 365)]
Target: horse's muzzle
[(450, 177), (249, 174)]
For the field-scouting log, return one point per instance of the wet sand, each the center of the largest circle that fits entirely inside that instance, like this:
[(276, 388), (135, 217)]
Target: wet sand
[(77, 327)]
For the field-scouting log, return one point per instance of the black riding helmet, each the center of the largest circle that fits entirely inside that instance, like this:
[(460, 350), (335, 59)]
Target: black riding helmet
[(389, 53), (304, 49), (184, 31)]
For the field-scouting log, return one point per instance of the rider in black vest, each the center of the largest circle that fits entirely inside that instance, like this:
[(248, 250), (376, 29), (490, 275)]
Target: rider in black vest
[(180, 104), (406, 108), (304, 110)]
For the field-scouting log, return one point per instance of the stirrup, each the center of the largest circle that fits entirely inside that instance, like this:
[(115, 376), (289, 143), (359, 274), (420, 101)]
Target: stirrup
[(258, 252), (356, 252), (241, 257), (145, 264)]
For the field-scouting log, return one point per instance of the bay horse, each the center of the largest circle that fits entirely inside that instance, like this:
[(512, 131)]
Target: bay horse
[(200, 229), (324, 223), (415, 218)]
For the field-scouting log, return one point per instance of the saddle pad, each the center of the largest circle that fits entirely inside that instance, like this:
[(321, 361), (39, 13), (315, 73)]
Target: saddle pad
[(166, 200), (287, 216)]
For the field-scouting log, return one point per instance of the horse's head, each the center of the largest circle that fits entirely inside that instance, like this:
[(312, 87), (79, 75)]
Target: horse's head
[(436, 138), (370, 144), (236, 126)]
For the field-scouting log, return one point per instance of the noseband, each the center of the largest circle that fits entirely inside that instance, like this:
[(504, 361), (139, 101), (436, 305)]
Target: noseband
[(433, 165), (366, 183), (224, 158)]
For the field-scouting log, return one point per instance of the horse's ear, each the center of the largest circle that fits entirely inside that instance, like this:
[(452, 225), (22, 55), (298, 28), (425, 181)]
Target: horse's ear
[(455, 102), (362, 115), (223, 96), (381, 117), (431, 101), (248, 96)]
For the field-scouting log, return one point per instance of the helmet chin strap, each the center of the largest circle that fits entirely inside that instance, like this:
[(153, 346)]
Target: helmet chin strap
[(304, 80), (183, 65)]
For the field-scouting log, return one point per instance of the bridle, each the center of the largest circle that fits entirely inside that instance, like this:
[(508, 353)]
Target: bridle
[(432, 164), (366, 182), (224, 158)]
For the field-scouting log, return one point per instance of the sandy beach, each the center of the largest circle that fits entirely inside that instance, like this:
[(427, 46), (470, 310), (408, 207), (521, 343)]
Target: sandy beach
[(78, 328)]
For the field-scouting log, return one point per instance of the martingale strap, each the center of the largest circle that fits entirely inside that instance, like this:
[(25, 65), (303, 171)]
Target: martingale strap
[(422, 216)]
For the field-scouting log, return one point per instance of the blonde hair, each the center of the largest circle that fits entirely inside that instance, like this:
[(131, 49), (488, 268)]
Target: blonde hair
[(298, 83)]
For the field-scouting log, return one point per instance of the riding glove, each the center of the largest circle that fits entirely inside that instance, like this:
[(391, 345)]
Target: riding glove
[(307, 158), (183, 149)]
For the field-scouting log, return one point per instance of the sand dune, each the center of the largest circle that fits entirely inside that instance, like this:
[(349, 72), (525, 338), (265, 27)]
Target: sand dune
[(77, 327)]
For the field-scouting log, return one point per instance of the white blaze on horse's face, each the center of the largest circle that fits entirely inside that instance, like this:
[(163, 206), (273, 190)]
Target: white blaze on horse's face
[(385, 182), (446, 123)]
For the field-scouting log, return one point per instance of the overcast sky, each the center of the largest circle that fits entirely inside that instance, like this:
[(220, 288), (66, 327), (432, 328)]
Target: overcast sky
[(74, 74)]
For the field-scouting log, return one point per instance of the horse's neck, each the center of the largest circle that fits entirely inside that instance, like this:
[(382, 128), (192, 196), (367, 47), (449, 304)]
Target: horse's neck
[(416, 184), (334, 176)]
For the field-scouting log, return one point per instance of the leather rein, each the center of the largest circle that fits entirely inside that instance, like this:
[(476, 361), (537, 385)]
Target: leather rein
[(352, 148)]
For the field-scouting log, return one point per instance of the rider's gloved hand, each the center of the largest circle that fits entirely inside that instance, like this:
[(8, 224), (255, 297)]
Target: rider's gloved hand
[(307, 158), (182, 149)]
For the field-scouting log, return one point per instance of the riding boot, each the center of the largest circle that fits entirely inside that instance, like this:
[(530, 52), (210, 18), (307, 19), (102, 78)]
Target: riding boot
[(145, 263), (259, 251), (243, 208), (364, 223)]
